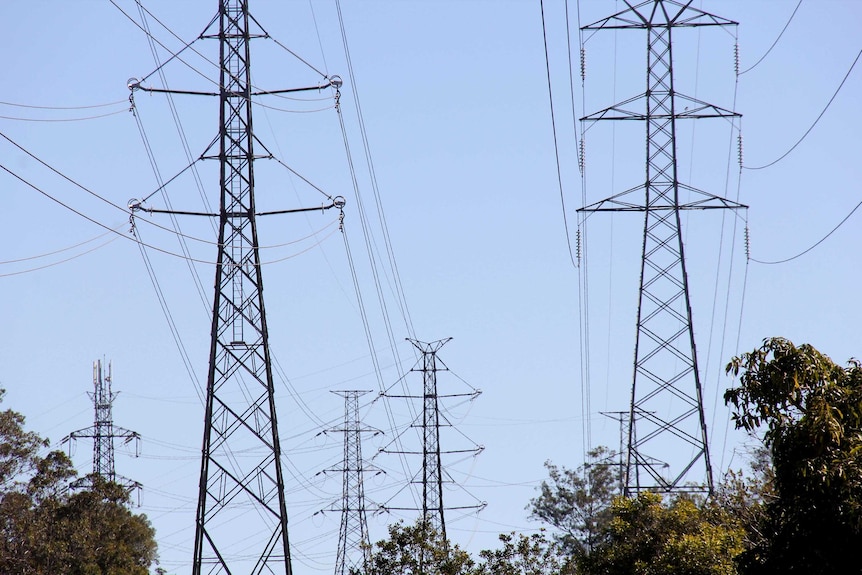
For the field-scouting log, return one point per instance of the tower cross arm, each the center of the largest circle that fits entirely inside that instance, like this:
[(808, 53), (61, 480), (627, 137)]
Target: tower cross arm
[(691, 108), (331, 82), (336, 202), (650, 13), (701, 201)]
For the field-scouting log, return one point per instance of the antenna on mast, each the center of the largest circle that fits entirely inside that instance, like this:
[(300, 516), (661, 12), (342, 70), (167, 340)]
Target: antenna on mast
[(103, 432)]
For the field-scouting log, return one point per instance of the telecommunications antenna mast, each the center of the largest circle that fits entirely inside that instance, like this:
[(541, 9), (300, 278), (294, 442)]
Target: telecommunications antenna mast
[(103, 432)]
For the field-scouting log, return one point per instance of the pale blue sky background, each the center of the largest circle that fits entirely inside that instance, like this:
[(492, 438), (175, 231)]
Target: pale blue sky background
[(455, 102)]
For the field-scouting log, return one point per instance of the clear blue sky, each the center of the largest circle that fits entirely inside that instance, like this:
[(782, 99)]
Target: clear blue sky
[(455, 101)]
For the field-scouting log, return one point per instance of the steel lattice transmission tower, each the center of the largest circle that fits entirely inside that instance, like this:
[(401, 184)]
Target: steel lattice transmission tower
[(432, 468), (353, 541), (103, 432), (241, 489), (240, 404), (433, 475), (666, 412)]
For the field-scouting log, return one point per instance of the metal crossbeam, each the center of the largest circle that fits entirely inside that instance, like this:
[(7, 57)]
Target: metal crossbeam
[(666, 414)]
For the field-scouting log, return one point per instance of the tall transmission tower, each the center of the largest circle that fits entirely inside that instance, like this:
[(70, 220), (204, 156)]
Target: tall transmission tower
[(103, 432), (241, 489), (353, 542), (432, 468), (433, 475), (666, 416)]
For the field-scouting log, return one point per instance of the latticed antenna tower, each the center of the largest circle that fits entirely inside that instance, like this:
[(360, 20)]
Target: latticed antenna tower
[(353, 543), (666, 417), (241, 488), (103, 432)]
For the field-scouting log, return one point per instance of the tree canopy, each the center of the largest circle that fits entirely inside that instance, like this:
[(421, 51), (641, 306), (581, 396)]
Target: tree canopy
[(812, 410), (649, 536), (46, 530), (576, 502)]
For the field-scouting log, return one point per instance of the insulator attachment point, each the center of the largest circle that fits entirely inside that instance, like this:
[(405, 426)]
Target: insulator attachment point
[(134, 205), (133, 84), (336, 82), (339, 202)]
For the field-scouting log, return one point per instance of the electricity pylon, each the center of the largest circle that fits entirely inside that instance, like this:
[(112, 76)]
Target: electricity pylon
[(432, 469), (666, 412), (433, 475), (353, 543), (241, 489), (103, 432)]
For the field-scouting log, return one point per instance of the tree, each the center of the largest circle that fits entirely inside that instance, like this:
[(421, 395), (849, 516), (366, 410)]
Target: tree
[(45, 530), (577, 502), (741, 498), (525, 555), (812, 411), (646, 536), (418, 550)]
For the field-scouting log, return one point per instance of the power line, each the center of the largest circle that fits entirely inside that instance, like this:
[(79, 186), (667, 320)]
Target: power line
[(52, 264), (817, 243), (808, 131), (554, 130), (35, 107), (55, 252), (82, 119), (789, 20)]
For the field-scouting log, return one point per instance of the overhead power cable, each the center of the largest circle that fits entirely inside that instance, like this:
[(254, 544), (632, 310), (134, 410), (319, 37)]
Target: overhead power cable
[(81, 119), (55, 252), (808, 131), (817, 243), (780, 34), (35, 107), (94, 221), (52, 264), (556, 142), (62, 175), (174, 55), (84, 188), (401, 298)]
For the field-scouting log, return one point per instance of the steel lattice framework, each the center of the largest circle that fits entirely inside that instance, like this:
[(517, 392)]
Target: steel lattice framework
[(103, 432), (241, 489), (432, 470), (666, 412), (433, 473), (239, 495), (353, 543)]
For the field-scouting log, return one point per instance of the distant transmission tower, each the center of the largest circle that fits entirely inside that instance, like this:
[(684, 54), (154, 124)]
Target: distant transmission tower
[(353, 543), (666, 413), (241, 520), (433, 475), (103, 432), (432, 468)]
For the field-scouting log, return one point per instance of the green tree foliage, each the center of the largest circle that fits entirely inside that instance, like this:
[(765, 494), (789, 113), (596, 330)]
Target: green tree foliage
[(646, 536), (525, 555), (44, 530), (741, 498), (418, 550), (812, 411), (577, 502)]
